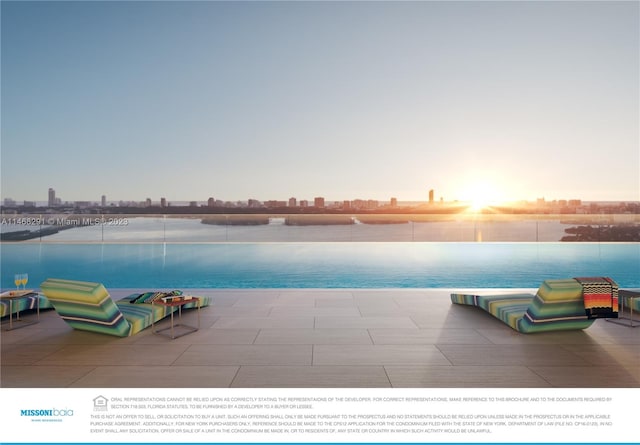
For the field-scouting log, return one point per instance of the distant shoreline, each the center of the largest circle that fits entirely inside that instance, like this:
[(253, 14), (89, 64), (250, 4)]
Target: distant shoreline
[(383, 227)]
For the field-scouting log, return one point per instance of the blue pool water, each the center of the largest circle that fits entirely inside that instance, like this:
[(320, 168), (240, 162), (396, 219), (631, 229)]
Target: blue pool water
[(321, 265)]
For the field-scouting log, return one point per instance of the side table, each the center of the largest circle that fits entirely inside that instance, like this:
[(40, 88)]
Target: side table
[(14, 298), (176, 302), (631, 296)]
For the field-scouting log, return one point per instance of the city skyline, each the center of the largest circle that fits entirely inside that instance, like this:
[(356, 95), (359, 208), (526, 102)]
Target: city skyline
[(53, 199), (509, 101), (293, 201), (103, 201)]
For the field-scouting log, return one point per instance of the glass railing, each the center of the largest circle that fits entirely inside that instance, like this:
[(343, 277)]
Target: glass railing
[(253, 228)]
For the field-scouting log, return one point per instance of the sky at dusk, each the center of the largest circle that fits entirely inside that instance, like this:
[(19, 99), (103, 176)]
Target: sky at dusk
[(345, 100)]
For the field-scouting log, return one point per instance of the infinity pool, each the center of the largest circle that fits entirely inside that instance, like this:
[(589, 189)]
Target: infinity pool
[(321, 265)]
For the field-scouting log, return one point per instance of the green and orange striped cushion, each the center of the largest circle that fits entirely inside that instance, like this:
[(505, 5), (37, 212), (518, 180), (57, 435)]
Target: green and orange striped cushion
[(557, 305), (88, 306)]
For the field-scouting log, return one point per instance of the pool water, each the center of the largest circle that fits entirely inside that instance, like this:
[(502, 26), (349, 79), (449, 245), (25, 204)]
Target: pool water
[(320, 265)]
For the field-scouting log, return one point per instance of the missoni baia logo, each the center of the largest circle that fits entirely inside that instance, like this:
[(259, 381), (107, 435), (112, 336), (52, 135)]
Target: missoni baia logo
[(46, 415)]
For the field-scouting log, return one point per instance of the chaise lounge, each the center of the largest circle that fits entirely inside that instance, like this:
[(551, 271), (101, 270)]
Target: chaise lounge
[(567, 304), (88, 306), (29, 301)]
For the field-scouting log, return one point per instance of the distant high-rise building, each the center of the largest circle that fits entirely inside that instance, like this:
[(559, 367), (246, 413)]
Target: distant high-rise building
[(163, 202), (103, 202), (431, 195), (147, 203), (394, 202), (304, 203), (293, 202), (52, 197), (211, 202), (318, 202)]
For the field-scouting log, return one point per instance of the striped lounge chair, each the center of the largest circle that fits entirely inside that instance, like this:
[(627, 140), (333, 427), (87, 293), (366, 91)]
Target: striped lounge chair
[(89, 307), (557, 305), (24, 304)]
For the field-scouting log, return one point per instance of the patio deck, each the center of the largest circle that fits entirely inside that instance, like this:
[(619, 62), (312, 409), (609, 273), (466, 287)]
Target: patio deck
[(324, 338)]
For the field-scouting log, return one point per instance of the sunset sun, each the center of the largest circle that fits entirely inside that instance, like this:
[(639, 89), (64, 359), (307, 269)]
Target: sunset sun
[(482, 194)]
